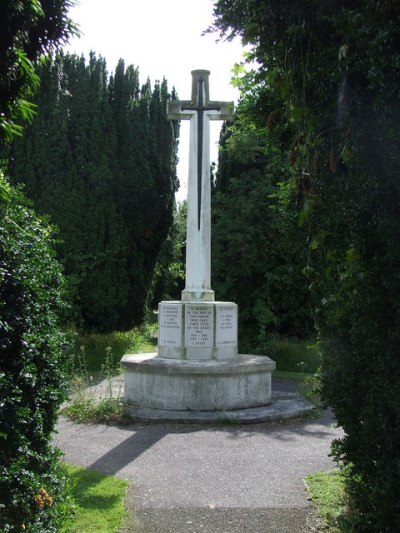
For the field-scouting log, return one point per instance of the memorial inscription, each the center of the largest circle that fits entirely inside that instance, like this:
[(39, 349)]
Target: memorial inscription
[(199, 326), (170, 324), (226, 325)]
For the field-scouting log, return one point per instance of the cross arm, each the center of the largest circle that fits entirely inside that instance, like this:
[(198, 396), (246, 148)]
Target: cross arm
[(215, 110), (174, 110), (226, 110)]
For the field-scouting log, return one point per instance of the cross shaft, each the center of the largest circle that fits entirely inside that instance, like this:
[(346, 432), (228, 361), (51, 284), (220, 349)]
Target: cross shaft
[(199, 110)]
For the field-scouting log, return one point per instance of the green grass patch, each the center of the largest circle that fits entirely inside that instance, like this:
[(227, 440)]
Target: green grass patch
[(292, 355), (99, 501), (95, 347), (327, 493)]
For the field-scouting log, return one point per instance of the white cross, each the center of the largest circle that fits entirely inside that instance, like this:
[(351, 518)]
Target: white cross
[(199, 110)]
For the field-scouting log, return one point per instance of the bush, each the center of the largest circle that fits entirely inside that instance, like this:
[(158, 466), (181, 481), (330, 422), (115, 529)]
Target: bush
[(361, 381), (359, 315), (32, 494)]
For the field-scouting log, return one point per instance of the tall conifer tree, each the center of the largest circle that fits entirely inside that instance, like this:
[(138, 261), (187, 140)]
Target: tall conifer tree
[(100, 159)]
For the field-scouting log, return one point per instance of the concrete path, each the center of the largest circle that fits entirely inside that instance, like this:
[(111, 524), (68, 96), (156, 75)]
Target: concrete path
[(188, 479)]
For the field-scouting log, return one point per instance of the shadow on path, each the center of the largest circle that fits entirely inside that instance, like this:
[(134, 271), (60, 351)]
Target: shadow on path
[(128, 450), (143, 437)]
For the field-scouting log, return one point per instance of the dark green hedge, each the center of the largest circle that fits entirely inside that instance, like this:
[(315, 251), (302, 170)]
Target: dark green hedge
[(31, 382), (359, 320), (327, 86)]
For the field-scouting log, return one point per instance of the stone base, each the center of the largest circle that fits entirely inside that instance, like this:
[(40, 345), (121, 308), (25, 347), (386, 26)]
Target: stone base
[(282, 408), (179, 384)]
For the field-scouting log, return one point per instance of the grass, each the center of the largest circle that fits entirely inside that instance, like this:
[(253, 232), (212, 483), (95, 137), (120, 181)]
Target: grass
[(99, 501), (95, 399), (95, 357), (94, 346), (86, 408), (292, 355), (299, 358), (327, 493)]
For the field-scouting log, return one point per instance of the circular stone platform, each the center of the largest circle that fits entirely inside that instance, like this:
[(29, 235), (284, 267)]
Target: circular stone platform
[(283, 407), (186, 385)]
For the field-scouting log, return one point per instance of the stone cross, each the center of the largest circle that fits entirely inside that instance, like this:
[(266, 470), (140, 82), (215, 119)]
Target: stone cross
[(199, 110)]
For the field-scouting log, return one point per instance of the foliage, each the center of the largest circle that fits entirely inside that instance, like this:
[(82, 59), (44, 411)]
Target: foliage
[(294, 356), (93, 373), (259, 252), (331, 73), (95, 399), (87, 404), (169, 273), (89, 350), (86, 408), (28, 30), (100, 159), (291, 375), (99, 501), (32, 495)]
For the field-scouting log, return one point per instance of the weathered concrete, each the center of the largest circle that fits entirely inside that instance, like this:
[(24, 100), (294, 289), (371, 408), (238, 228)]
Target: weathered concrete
[(176, 384), (283, 408), (286, 404)]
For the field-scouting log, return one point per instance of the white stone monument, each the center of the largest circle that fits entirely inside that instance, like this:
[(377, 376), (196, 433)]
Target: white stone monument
[(197, 366)]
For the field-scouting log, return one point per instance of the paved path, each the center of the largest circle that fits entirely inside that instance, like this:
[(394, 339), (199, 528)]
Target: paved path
[(208, 479)]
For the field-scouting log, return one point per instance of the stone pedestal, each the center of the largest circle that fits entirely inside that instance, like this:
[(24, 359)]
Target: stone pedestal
[(197, 366), (178, 384)]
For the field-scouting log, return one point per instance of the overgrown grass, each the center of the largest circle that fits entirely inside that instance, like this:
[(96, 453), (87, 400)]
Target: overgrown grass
[(99, 501), (327, 493), (301, 358), (85, 407), (95, 399), (94, 345), (292, 355), (300, 361)]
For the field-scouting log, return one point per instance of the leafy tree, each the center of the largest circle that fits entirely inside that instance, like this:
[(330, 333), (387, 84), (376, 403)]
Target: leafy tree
[(100, 159), (259, 252), (331, 71), (28, 29)]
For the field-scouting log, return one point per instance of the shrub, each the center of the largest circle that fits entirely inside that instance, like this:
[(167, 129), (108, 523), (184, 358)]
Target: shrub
[(361, 381), (32, 494)]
